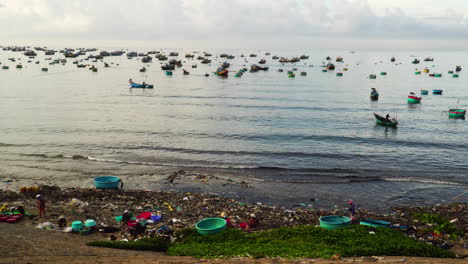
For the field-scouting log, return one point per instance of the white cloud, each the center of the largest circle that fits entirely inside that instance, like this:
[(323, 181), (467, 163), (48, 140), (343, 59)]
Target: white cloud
[(205, 19)]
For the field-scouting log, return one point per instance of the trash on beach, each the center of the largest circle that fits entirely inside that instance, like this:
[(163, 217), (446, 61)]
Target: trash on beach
[(46, 225)]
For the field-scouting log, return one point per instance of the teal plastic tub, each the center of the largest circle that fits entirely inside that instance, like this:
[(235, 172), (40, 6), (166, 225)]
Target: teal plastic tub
[(76, 226), (331, 222), (107, 182), (210, 226)]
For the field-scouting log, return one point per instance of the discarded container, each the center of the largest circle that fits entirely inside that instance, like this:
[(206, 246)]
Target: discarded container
[(331, 222), (107, 182), (210, 226), (90, 223), (85, 230), (156, 218), (76, 226)]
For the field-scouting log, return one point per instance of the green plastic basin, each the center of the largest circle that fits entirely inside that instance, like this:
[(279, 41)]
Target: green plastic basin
[(334, 221), (210, 226)]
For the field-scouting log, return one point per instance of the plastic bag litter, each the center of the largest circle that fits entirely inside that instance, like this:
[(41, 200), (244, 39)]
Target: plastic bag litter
[(77, 203), (45, 225), (68, 229)]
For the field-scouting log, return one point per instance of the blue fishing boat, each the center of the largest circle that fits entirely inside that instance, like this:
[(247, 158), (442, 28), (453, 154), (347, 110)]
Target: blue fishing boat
[(437, 91)]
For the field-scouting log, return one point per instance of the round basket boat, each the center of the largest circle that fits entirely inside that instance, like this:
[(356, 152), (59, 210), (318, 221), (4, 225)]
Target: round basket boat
[(210, 226), (334, 221), (107, 182)]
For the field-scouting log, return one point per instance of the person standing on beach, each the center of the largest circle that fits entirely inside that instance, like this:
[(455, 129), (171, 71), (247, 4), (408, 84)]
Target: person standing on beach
[(352, 210), (41, 204)]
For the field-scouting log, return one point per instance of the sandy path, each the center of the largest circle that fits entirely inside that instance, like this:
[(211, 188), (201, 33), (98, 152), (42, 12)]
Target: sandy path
[(20, 243)]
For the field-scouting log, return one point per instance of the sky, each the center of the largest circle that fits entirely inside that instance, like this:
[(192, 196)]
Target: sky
[(237, 23)]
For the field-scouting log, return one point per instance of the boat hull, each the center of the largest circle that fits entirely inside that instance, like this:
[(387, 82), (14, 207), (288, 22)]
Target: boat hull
[(457, 113), (414, 100)]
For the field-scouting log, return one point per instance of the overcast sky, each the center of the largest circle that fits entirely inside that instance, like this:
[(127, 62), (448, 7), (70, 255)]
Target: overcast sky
[(237, 23)]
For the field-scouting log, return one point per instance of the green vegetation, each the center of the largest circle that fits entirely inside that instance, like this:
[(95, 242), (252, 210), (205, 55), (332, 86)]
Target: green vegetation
[(438, 225), (146, 244), (304, 242), (287, 242)]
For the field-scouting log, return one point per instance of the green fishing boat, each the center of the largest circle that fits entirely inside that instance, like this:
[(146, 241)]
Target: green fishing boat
[(391, 122), (457, 113), (455, 75), (412, 99), (424, 92), (417, 72), (383, 73)]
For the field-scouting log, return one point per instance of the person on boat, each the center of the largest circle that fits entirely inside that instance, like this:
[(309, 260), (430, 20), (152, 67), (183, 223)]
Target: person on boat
[(387, 117), (352, 210), (41, 205), (130, 81), (412, 94)]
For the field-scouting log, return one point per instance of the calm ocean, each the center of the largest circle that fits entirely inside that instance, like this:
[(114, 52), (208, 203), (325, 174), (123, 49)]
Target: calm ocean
[(289, 139)]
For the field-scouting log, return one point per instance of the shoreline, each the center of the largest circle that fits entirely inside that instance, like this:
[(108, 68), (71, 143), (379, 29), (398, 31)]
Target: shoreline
[(188, 208), (275, 190)]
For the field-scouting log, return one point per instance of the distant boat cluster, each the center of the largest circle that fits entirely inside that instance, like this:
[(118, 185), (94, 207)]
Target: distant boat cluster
[(83, 56)]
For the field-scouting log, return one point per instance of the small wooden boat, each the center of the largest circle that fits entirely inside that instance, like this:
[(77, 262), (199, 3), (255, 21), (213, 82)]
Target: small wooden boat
[(415, 61), (457, 113), (223, 73), (412, 99), (424, 92), (417, 72), (169, 73), (392, 122), (291, 74), (143, 85), (392, 59), (372, 76), (330, 66), (426, 70), (437, 91)]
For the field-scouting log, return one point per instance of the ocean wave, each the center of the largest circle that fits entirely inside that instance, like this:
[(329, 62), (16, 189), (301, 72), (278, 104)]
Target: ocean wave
[(424, 180)]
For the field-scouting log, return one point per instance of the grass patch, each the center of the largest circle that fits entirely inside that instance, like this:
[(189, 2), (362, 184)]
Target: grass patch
[(304, 242), (146, 244)]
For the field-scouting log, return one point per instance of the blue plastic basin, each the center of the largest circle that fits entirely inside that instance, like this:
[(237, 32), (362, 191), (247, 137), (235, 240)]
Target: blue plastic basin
[(107, 182), (334, 221)]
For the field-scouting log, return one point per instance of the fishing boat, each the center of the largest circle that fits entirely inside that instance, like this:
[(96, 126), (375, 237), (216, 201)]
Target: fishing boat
[(142, 85), (339, 59), (262, 61), (424, 92), (372, 76), (415, 61), (374, 95), (426, 70), (457, 113), (458, 68), (413, 99), (256, 68), (391, 122), (392, 59), (291, 74), (222, 72), (339, 74), (437, 91), (374, 223), (330, 66), (168, 67)]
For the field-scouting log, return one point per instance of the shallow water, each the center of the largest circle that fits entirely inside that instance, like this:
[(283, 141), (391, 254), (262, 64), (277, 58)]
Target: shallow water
[(291, 139)]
